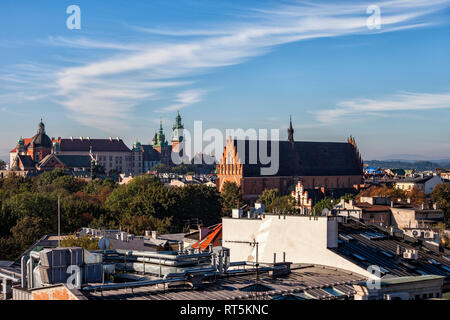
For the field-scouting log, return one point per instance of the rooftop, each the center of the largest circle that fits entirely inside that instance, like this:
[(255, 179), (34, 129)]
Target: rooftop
[(368, 245), (304, 282)]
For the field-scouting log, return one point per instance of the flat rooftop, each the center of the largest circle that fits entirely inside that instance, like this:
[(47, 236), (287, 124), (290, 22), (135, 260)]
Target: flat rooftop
[(304, 282), (365, 250)]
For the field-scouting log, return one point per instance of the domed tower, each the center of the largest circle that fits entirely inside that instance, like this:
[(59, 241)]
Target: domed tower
[(40, 145), (21, 146)]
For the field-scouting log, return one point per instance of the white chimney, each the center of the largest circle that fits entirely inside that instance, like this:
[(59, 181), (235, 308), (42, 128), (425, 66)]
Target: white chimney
[(154, 234), (237, 213), (435, 206)]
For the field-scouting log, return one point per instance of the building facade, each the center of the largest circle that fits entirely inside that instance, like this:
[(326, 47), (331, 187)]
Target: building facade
[(330, 165), (41, 152)]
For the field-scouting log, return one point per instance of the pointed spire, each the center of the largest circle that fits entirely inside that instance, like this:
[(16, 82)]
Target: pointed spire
[(290, 130)]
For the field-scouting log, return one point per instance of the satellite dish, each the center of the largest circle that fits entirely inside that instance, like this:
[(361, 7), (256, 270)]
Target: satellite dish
[(103, 243)]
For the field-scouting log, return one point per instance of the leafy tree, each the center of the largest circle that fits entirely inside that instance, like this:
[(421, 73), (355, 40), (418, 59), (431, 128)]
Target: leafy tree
[(2, 165), (27, 231), (139, 224), (282, 205), (441, 196), (231, 197), (347, 197), (322, 204), (268, 196), (196, 201), (48, 177), (83, 242)]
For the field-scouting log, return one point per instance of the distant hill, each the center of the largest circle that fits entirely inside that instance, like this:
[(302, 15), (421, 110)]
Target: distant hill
[(401, 164)]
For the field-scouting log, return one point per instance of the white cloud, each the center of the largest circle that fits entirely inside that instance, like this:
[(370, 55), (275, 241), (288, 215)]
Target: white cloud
[(404, 101), (115, 83), (184, 99)]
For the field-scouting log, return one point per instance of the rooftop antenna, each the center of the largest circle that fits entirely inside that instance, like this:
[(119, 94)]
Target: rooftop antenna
[(253, 244)]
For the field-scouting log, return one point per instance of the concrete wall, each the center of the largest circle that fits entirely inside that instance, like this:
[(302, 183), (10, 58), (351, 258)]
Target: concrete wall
[(304, 239)]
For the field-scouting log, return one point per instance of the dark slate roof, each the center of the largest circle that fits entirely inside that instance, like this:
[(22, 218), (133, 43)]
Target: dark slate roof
[(41, 140), (373, 252), (97, 145), (302, 158), (27, 162), (150, 154), (75, 161)]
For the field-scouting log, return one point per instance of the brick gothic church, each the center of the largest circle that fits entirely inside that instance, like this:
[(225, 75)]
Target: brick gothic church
[(319, 165)]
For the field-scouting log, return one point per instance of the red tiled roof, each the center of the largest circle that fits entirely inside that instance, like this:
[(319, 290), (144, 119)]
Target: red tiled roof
[(372, 207), (213, 236), (26, 142)]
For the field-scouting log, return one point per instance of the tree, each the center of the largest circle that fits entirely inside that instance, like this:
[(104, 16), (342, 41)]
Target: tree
[(84, 241), (322, 204), (231, 197), (48, 177), (282, 205), (2, 165), (139, 224), (347, 197), (268, 196), (27, 231), (441, 196)]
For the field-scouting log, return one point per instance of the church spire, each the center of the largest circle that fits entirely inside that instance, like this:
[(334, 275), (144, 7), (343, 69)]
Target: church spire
[(290, 130)]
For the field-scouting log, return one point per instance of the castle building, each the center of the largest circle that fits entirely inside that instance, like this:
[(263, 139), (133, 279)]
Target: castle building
[(321, 165)]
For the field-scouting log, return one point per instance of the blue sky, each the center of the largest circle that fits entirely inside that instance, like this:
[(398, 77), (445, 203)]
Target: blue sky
[(231, 64)]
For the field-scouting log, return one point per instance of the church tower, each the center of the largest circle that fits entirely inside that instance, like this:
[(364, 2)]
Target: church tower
[(161, 145), (290, 131), (177, 137)]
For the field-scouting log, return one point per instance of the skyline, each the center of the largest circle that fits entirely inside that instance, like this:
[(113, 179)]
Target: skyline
[(128, 67)]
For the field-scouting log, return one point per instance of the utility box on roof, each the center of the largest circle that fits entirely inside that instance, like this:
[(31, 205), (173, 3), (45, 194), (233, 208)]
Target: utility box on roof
[(56, 257)]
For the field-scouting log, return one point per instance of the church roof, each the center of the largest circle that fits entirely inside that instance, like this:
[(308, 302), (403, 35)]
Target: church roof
[(303, 158), (150, 154), (69, 160), (98, 145), (41, 140), (26, 161)]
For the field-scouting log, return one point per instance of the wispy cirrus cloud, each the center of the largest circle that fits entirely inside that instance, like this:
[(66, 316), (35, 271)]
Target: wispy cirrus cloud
[(404, 101), (86, 43), (109, 87), (184, 99)]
